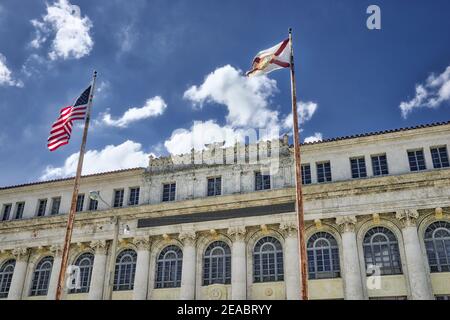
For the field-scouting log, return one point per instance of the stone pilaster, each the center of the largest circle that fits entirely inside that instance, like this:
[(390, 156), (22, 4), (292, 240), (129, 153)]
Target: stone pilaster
[(100, 248), (142, 266), (187, 290), (291, 266), (418, 277), (351, 270), (238, 263), (21, 256), (56, 250)]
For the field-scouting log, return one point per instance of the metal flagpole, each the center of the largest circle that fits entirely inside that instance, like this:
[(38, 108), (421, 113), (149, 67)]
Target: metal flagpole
[(298, 181), (71, 218)]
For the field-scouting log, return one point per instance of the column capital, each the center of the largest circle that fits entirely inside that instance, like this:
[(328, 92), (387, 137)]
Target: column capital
[(237, 233), (187, 237), (56, 249), (142, 243), (407, 217), (20, 254), (289, 228), (346, 223), (99, 246)]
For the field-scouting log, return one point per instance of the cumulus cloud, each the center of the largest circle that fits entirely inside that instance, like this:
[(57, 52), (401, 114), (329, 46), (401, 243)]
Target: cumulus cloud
[(314, 138), (249, 114), (305, 112), (6, 78), (69, 30), (245, 98), (430, 94), (153, 107), (126, 155)]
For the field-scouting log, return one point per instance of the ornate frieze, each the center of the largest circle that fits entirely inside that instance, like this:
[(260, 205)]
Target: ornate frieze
[(56, 250), (20, 253), (187, 237), (289, 228), (99, 246), (346, 223), (142, 243), (407, 217), (237, 233)]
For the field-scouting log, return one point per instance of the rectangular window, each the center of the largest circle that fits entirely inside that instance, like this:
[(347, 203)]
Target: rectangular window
[(42, 204), (6, 211), (306, 174), (379, 165), (440, 157), (93, 204), (323, 172), (134, 196), (118, 198), (80, 203), (416, 160), (20, 206), (56, 202), (358, 167), (262, 181), (169, 192), (214, 186)]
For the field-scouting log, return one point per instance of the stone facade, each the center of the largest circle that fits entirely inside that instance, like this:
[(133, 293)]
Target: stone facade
[(404, 202)]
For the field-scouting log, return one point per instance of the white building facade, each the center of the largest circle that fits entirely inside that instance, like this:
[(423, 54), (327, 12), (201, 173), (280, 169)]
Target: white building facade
[(221, 224)]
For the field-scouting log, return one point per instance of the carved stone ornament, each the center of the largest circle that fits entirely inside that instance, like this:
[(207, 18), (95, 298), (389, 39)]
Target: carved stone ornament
[(407, 217), (289, 228), (20, 253), (56, 249), (99, 246), (237, 233), (187, 237), (142, 243), (346, 223)]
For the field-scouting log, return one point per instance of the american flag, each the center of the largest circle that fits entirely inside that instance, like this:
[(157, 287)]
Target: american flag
[(62, 127)]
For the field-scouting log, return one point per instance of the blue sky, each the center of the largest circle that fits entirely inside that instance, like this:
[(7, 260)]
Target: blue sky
[(155, 57)]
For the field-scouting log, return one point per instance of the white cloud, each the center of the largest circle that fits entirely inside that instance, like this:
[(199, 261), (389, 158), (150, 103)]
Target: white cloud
[(431, 94), (249, 115), (70, 30), (305, 112), (126, 155), (201, 133), (153, 107), (314, 138), (6, 78), (245, 98)]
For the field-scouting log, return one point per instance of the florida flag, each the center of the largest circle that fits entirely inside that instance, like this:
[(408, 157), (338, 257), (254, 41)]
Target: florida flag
[(62, 127), (271, 59)]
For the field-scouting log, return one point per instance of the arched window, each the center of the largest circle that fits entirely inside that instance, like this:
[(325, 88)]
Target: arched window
[(125, 270), (41, 277), (381, 249), (217, 264), (6, 274), (85, 262), (323, 256), (437, 243), (168, 267), (268, 260)]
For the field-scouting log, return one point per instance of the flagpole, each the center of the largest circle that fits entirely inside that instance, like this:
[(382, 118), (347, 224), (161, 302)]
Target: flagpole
[(71, 218), (298, 182)]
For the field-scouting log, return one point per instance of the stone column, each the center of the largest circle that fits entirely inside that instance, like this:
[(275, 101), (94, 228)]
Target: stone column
[(187, 290), (292, 277), (53, 283), (98, 270), (20, 270), (142, 266), (418, 277), (351, 270), (238, 264)]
